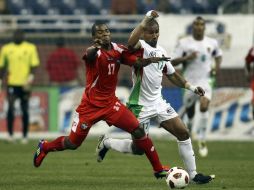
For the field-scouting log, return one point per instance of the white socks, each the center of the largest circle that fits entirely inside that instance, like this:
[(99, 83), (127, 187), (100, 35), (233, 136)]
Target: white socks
[(187, 154), (185, 150), (120, 145)]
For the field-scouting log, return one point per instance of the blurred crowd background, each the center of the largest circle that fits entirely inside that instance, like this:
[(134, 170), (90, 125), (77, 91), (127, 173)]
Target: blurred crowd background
[(45, 20)]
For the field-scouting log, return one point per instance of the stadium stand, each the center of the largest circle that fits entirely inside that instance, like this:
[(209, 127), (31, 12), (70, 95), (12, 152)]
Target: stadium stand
[(51, 17)]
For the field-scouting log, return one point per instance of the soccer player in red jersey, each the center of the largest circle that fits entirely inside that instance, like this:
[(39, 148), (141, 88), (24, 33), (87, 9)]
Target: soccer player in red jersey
[(99, 101), (249, 65)]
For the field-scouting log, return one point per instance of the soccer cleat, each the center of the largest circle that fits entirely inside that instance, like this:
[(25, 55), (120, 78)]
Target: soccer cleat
[(203, 150), (162, 173), (101, 149), (39, 154), (202, 179)]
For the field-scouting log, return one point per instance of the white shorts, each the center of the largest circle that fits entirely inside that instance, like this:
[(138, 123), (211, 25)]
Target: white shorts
[(161, 110)]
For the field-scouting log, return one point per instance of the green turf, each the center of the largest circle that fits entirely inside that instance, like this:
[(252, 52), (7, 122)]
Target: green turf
[(232, 162)]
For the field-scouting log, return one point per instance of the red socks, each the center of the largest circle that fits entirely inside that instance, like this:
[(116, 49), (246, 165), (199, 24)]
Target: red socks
[(55, 145), (146, 144)]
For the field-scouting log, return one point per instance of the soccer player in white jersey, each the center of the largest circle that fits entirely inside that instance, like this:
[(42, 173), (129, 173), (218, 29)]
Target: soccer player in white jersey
[(201, 58), (146, 100)]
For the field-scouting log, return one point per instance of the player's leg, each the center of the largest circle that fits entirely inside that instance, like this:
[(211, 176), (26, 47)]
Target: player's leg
[(189, 101), (125, 145), (125, 120), (119, 145), (24, 104), (202, 125), (78, 133), (190, 114), (172, 123), (11, 97), (176, 127)]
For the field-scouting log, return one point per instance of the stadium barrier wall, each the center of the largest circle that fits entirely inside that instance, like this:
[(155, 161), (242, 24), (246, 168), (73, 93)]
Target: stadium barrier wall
[(52, 109)]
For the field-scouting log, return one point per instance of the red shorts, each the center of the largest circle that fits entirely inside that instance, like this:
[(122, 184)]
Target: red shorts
[(86, 115)]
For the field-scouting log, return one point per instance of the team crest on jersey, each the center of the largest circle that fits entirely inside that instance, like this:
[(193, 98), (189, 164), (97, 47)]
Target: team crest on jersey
[(152, 54), (83, 126)]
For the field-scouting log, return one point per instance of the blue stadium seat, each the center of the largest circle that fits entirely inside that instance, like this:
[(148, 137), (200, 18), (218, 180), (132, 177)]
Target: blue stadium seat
[(15, 6)]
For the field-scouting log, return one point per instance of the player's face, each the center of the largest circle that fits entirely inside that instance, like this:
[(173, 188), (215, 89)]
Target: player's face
[(103, 33), (198, 27), (151, 35)]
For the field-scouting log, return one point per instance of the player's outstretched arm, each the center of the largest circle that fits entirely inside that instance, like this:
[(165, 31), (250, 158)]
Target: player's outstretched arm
[(183, 59), (140, 62), (179, 81), (133, 42)]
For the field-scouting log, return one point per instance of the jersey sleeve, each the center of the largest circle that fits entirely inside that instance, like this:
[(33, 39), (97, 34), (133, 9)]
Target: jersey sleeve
[(168, 68), (34, 56), (130, 58)]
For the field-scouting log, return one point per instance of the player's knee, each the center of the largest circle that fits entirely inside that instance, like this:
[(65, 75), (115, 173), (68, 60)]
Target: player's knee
[(203, 108), (136, 150), (138, 133), (69, 145), (183, 135)]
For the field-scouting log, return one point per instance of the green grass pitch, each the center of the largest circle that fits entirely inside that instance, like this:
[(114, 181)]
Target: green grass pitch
[(232, 162)]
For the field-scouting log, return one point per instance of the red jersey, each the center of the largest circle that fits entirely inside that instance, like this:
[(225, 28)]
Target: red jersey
[(101, 74)]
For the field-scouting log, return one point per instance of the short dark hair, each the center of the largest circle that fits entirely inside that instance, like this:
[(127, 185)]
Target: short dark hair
[(199, 18), (152, 22), (98, 23)]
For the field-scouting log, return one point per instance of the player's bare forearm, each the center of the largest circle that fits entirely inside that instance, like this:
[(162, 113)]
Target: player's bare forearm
[(140, 62), (177, 79), (91, 53), (133, 41), (183, 59), (177, 61)]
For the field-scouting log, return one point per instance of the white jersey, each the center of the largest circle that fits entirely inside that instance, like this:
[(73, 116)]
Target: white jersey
[(147, 80), (197, 71)]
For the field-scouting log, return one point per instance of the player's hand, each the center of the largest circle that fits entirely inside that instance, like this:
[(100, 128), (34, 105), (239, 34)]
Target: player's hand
[(97, 43), (199, 91), (149, 15), (158, 59), (152, 14)]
